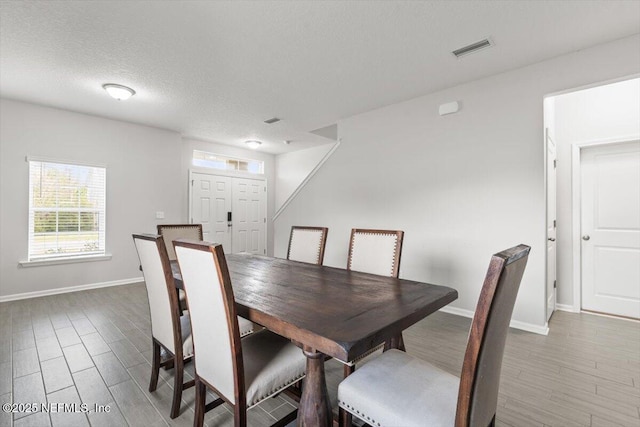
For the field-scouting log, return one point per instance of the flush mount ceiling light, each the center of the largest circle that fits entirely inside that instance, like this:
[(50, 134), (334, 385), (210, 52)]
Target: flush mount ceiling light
[(253, 144), (118, 92)]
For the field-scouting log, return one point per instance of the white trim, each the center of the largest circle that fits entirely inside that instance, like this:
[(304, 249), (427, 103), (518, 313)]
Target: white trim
[(576, 214), (65, 162), (67, 260), (36, 294), (307, 179), (566, 307), (516, 324), (593, 85)]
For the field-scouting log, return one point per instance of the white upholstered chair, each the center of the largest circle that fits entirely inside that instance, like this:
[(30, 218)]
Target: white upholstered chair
[(398, 389), (376, 252), (242, 372), (171, 232), (170, 331), (306, 244)]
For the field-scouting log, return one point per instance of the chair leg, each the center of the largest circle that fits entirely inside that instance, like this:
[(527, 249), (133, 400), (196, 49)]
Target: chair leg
[(178, 378), (344, 418), (201, 396), (240, 415), (492, 423), (155, 366), (349, 369)]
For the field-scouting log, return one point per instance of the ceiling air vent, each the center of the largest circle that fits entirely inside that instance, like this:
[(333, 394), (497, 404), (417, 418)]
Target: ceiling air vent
[(473, 47), (272, 120)]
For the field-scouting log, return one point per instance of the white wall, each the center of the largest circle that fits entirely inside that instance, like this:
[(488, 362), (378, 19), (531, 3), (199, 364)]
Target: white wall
[(462, 186), (143, 176), (188, 145), (292, 168), (602, 113)]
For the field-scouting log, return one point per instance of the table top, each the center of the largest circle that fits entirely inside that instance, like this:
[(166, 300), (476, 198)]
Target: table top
[(337, 312)]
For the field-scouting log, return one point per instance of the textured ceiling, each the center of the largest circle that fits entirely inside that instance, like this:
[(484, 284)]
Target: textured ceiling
[(217, 70)]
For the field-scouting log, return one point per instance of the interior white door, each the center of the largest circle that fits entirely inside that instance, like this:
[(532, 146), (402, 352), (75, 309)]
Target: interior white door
[(249, 216), (551, 225), (610, 224), (210, 205)]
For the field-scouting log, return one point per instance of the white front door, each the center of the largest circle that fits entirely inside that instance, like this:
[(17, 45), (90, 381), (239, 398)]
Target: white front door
[(210, 205), (232, 211), (249, 216), (551, 225), (610, 226)]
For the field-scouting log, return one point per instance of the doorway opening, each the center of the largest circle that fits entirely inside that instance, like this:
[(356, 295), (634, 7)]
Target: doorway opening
[(593, 213)]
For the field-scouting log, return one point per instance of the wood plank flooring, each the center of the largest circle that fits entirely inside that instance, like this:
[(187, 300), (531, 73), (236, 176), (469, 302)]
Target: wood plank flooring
[(93, 347)]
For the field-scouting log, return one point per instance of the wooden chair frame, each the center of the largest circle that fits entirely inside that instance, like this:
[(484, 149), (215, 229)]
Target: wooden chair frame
[(505, 267), (176, 360), (398, 249), (240, 407), (323, 241), (162, 227), (395, 342)]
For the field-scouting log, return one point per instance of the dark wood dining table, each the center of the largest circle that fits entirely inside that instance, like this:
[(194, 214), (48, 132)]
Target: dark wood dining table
[(326, 311)]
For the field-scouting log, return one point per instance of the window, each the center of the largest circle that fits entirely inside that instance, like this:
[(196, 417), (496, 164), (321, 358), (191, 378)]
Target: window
[(216, 161), (66, 210)]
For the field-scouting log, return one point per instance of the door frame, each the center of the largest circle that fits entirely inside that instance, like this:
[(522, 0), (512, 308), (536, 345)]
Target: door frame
[(576, 207), (231, 175), (547, 137)]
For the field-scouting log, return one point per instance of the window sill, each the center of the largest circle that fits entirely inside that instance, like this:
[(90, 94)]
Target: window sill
[(70, 260)]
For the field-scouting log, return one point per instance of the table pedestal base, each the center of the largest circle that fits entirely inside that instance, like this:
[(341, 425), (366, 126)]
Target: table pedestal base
[(315, 407)]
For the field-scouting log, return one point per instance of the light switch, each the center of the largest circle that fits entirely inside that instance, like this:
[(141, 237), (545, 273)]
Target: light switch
[(159, 215)]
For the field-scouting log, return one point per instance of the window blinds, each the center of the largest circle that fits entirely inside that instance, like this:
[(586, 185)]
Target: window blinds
[(66, 210)]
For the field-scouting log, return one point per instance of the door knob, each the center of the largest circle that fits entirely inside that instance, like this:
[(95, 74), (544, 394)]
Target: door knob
[(551, 239), (586, 237)]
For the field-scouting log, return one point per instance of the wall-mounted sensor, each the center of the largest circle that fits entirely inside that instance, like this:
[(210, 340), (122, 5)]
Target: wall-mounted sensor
[(449, 108)]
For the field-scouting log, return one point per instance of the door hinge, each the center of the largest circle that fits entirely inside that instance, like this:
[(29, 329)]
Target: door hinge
[(554, 284), (555, 163), (265, 189), (264, 251), (554, 223), (192, 181), (265, 220)]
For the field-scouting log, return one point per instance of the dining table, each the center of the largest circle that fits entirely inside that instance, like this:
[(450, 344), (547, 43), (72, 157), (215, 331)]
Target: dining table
[(326, 311)]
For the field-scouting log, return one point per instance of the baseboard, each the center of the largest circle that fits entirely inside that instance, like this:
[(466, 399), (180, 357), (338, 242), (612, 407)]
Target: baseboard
[(566, 307), (36, 294), (516, 324)]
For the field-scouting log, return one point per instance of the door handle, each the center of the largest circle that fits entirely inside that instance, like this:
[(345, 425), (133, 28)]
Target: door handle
[(586, 237), (551, 239)]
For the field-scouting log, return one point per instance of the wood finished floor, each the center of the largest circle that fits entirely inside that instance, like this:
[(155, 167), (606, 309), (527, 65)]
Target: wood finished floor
[(94, 347)]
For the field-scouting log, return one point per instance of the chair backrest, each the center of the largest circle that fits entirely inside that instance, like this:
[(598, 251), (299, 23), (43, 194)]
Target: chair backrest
[(375, 251), (161, 290), (173, 232), (306, 244), (480, 377), (214, 325)]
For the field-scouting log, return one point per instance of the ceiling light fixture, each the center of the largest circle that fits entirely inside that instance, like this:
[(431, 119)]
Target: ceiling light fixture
[(253, 144), (118, 92)]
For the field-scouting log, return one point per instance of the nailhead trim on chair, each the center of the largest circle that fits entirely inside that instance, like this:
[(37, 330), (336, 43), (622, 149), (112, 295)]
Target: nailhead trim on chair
[(395, 246), (277, 390), (357, 413)]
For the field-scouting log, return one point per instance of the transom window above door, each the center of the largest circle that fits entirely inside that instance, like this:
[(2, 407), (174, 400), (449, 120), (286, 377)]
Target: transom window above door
[(220, 162)]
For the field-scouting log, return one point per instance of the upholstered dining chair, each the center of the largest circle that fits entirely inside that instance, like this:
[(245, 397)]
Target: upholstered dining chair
[(306, 244), (170, 330), (241, 372), (376, 252), (398, 389), (171, 232)]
